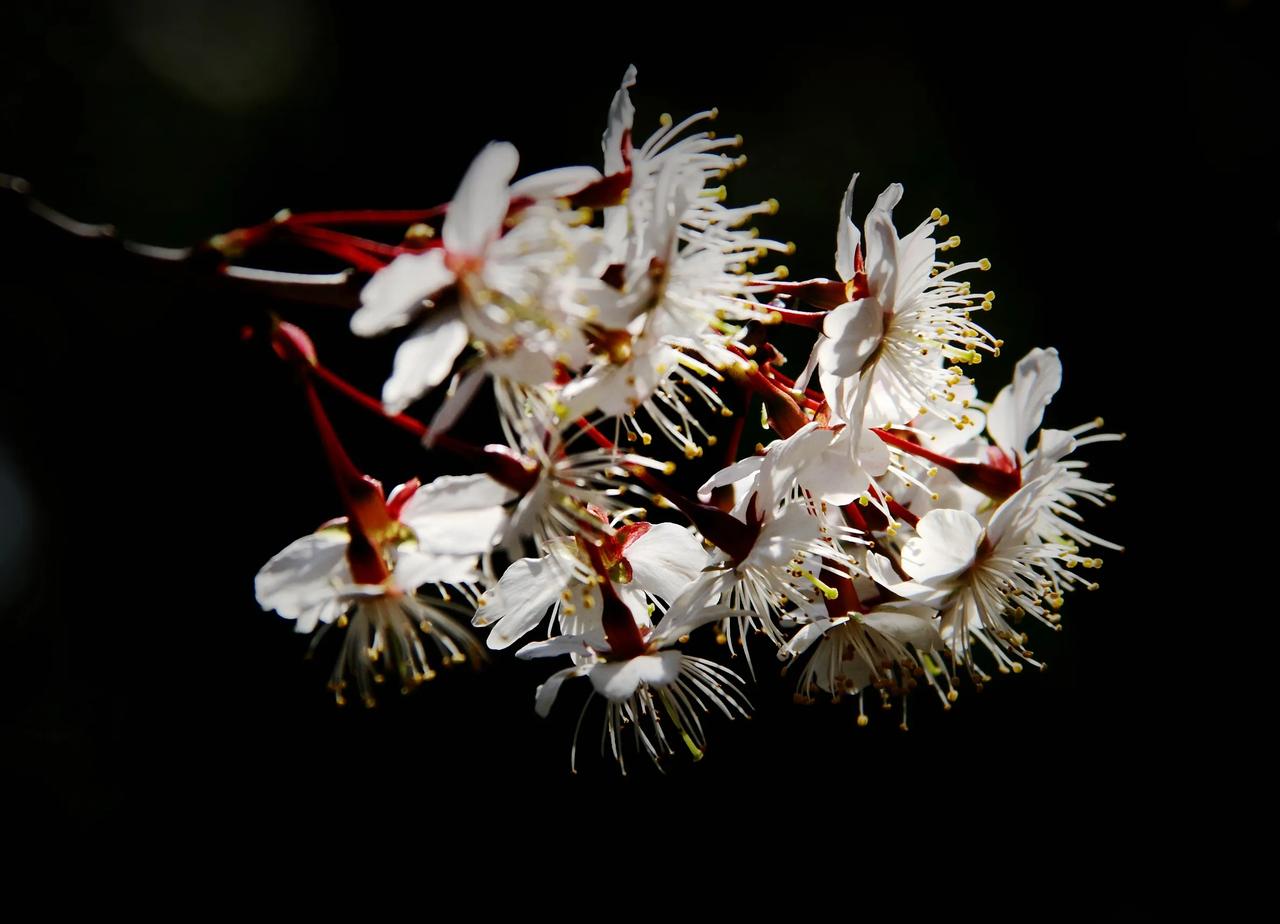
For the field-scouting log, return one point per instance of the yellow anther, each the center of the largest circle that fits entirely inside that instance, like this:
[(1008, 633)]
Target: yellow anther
[(984, 264), (935, 214), (669, 468), (665, 120), (419, 232), (827, 591), (773, 205)]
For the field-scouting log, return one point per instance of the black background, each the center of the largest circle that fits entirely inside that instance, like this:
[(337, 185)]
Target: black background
[(153, 461)]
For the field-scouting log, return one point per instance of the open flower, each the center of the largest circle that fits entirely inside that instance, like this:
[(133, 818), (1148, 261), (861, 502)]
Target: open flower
[(365, 576), (501, 276), (648, 684), (981, 580), (776, 538), (681, 289), (645, 561), (1013, 419), (896, 348), (885, 649)]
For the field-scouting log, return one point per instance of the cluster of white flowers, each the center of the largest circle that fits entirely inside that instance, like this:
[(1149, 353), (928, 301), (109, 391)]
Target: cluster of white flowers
[(898, 531)]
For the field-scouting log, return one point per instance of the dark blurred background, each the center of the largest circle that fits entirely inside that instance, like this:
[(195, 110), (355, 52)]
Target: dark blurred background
[(151, 460)]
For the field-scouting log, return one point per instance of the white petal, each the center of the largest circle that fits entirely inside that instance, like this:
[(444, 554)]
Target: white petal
[(882, 244), (476, 213), (731, 474), (852, 332), (618, 680), (1013, 518), (945, 544), (396, 292), (458, 514), (621, 116), (847, 235), (305, 574), (915, 256), (785, 458), (415, 568), (612, 390), (552, 184), (693, 608), (906, 623), (666, 560), (1018, 409), (425, 359), (881, 569), (546, 694), (524, 366), (554, 647), (801, 641), (1053, 447), (457, 401), (523, 596)]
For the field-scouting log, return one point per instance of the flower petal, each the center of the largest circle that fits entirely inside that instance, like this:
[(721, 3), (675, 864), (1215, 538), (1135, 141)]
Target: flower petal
[(906, 622), (1013, 518), (618, 680), (882, 244), (475, 215), (303, 580), (415, 568), (693, 608), (425, 359), (525, 593), (554, 647), (622, 114), (851, 334), (1018, 409), (666, 560), (552, 184), (456, 401), (881, 569), (396, 292), (848, 237), (802, 640), (547, 691), (458, 514), (741, 470), (945, 544)]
